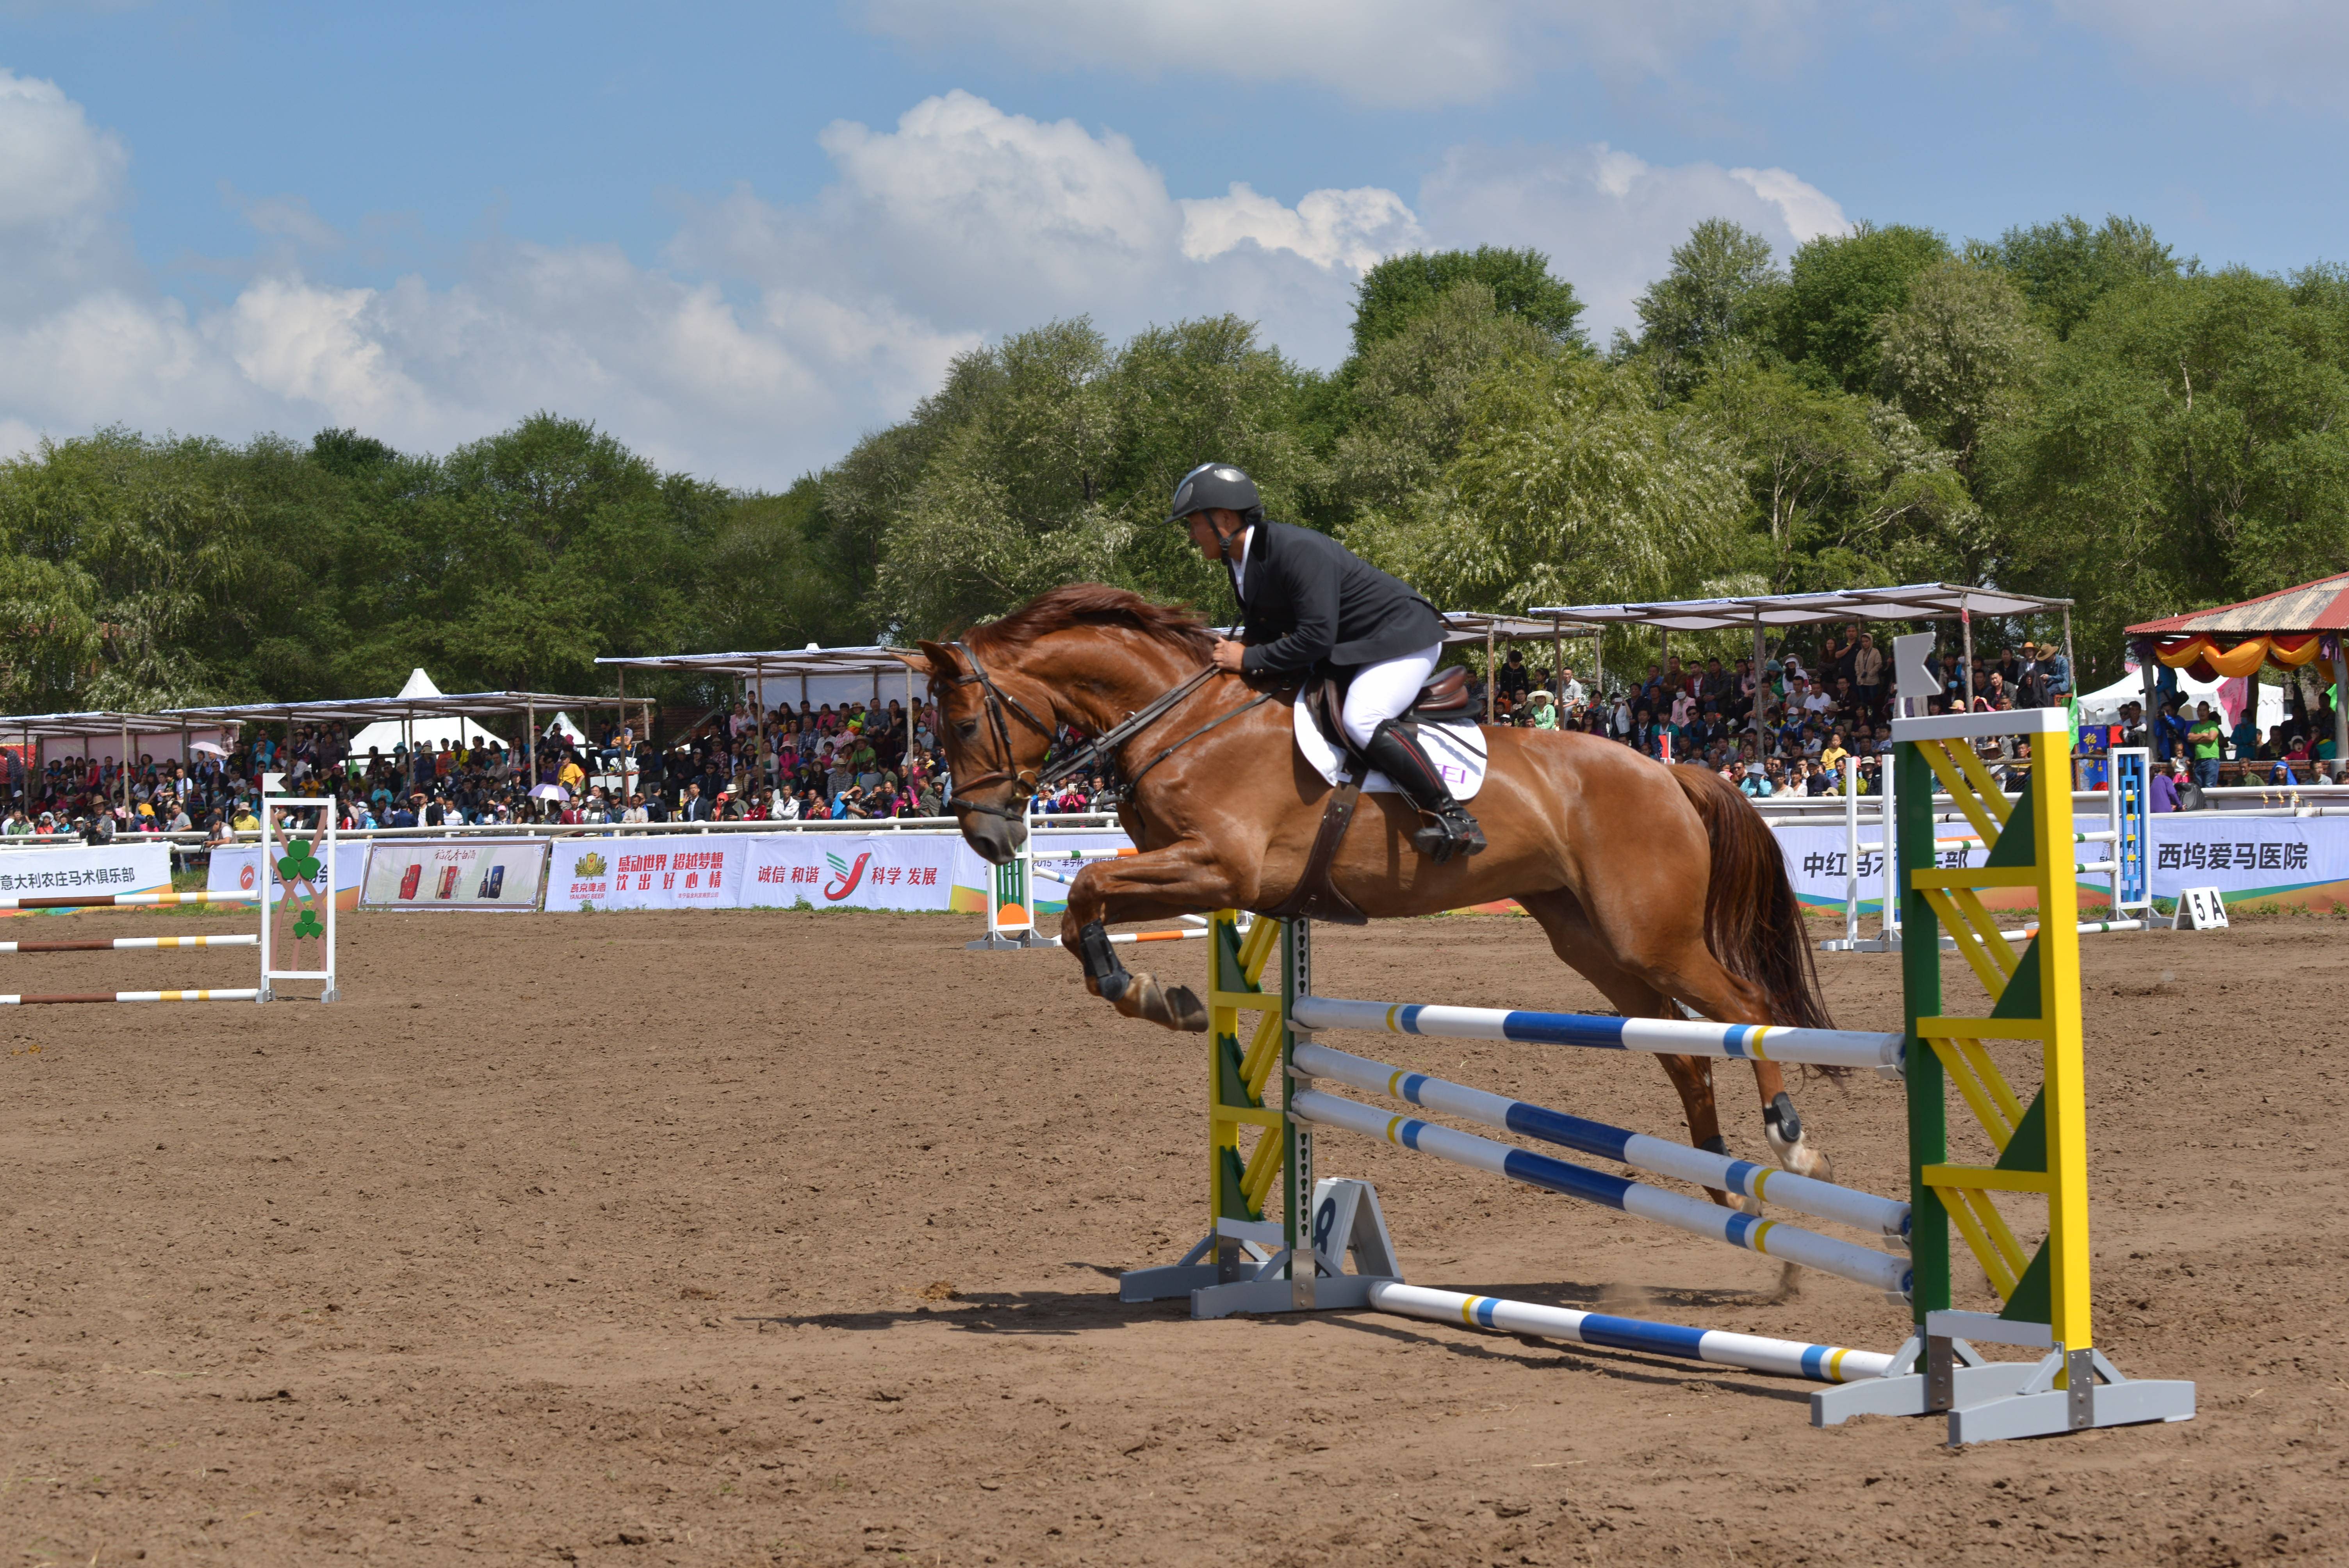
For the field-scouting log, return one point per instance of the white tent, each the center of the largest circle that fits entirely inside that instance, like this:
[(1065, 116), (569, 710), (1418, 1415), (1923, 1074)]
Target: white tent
[(2104, 706), (425, 728)]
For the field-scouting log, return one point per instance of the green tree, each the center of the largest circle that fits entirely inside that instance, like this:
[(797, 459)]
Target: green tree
[(1409, 394), (1404, 286), (2065, 267), (1713, 308), (2190, 445), (1845, 491), (1839, 288), (1570, 487), (1960, 355)]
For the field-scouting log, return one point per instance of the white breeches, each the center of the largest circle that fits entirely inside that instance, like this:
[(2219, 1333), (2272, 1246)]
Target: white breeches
[(1382, 690)]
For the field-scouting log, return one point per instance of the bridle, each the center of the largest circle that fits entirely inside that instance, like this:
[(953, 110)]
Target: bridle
[(997, 701), (1101, 748)]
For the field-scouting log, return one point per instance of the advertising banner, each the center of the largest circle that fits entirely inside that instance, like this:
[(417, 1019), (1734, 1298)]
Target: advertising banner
[(126, 865), (839, 870), (2291, 858), (2245, 857), (454, 873), (1817, 859), (650, 870), (236, 868)]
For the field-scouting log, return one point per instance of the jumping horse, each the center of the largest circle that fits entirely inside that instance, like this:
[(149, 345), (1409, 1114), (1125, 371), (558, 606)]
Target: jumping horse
[(1661, 885)]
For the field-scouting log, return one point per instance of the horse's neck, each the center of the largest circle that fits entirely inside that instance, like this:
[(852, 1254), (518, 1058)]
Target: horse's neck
[(1097, 680)]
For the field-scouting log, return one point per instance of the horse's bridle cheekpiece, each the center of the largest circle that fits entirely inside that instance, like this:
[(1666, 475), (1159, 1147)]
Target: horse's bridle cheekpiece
[(997, 700)]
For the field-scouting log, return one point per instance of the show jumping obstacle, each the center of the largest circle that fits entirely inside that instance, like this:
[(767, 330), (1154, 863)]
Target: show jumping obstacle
[(302, 877), (1279, 1240), (2127, 801)]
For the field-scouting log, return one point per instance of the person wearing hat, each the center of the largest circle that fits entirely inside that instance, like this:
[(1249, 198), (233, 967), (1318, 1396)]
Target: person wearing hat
[(1307, 603), (2055, 670), (1544, 709)]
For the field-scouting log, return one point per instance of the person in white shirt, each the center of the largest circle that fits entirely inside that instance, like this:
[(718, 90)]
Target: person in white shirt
[(1570, 693)]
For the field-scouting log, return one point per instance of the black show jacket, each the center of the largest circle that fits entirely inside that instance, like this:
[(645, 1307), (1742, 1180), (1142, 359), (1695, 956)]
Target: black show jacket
[(1309, 601)]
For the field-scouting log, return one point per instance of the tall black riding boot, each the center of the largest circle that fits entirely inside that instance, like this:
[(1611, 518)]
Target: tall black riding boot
[(1394, 750)]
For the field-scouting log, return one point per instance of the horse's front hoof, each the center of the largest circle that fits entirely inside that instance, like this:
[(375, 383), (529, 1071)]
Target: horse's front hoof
[(1174, 1007)]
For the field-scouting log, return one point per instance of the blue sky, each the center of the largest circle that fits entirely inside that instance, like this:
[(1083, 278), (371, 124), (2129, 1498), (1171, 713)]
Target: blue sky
[(737, 236)]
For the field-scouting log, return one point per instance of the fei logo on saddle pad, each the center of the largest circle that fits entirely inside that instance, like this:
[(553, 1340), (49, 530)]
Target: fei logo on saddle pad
[(1457, 749)]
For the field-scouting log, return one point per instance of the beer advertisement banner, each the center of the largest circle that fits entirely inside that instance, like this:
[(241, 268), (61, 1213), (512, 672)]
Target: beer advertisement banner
[(652, 870)]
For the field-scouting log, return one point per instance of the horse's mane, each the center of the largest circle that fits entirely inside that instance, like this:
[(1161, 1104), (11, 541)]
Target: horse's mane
[(1091, 604)]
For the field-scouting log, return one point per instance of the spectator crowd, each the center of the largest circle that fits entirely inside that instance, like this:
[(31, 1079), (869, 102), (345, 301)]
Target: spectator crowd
[(1824, 714)]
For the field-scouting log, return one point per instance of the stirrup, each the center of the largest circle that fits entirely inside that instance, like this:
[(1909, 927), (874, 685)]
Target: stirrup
[(1452, 832)]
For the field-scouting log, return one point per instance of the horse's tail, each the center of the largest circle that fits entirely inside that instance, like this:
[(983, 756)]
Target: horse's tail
[(1752, 921)]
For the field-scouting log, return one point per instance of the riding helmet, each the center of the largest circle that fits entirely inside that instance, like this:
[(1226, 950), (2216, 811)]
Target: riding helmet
[(1218, 485)]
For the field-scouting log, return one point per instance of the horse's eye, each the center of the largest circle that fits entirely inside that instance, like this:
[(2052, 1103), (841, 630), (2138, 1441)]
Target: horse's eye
[(968, 729)]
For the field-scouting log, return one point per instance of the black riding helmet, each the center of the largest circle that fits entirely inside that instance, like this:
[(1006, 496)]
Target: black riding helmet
[(1213, 485)]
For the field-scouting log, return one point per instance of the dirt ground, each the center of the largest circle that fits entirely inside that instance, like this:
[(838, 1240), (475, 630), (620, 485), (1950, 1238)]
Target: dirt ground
[(735, 1238)]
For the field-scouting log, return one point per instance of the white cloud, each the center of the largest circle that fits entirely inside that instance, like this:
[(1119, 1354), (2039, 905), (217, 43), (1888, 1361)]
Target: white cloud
[(1394, 53), (770, 336), (1806, 210), (1607, 219), (2292, 52), (53, 166), (1348, 229)]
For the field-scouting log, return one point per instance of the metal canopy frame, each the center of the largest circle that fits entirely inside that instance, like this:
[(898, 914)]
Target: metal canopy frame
[(754, 668), (1908, 602), (1461, 626), (27, 728), (365, 710)]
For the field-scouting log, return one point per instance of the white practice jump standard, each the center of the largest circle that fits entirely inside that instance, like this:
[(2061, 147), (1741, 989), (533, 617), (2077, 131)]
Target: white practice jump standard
[(1695, 1216), (1888, 1217), (1662, 1037)]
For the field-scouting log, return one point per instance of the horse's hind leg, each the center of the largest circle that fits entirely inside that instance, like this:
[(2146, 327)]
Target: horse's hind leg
[(1571, 938), (1702, 983)]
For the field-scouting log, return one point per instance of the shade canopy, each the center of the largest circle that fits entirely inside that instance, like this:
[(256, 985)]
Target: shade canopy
[(421, 715), (1471, 626), (871, 658), (2319, 606), (1913, 602)]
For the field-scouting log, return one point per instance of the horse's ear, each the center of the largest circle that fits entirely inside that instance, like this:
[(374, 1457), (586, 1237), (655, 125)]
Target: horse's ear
[(934, 660)]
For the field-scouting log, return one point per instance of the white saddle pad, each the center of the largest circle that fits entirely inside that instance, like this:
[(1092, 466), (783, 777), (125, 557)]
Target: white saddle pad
[(1457, 749)]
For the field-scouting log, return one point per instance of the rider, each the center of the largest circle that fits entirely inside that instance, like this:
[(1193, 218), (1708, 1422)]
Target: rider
[(1306, 600)]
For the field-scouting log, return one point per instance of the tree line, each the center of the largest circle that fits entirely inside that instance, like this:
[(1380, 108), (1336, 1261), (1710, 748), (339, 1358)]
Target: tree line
[(2071, 410)]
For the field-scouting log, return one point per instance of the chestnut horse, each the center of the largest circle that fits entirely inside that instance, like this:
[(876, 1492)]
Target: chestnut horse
[(1661, 885)]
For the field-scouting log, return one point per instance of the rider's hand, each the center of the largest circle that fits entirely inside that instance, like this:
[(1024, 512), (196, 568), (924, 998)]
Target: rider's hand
[(1228, 653)]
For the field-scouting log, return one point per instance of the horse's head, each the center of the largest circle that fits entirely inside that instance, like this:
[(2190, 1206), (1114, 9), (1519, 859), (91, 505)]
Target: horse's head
[(996, 724), (1086, 654)]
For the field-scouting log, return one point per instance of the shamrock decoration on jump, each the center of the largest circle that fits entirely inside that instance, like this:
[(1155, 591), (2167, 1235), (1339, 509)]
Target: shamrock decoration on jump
[(299, 864)]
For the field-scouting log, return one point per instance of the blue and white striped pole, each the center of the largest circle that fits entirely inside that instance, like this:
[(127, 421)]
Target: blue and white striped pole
[(1664, 1036), (1787, 1357), (1822, 1199), (1879, 1270)]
